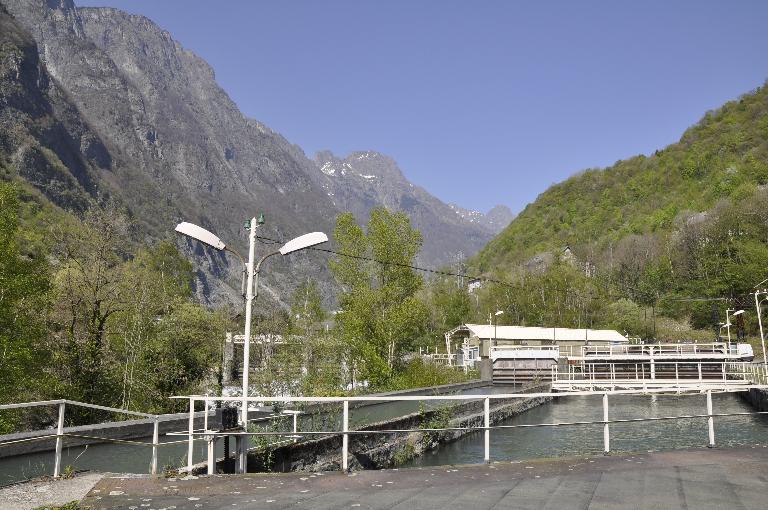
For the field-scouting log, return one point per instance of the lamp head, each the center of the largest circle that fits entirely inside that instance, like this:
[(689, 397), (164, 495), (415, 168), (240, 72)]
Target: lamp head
[(200, 234), (499, 312), (303, 242), (738, 312)]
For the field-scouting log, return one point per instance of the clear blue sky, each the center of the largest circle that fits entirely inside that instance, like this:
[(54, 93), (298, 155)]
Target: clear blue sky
[(479, 102)]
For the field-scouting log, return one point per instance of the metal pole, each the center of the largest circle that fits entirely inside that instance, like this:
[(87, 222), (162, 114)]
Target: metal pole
[(487, 432), (606, 431), (677, 376), (760, 323), (710, 420), (295, 427), (191, 430), (728, 326), (155, 441), (699, 371), (247, 333), (211, 454), (345, 439), (59, 442)]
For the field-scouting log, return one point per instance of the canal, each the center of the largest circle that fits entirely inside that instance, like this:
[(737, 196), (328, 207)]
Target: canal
[(549, 442), (506, 444)]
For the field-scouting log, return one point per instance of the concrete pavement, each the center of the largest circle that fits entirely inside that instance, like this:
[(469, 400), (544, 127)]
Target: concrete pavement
[(696, 479)]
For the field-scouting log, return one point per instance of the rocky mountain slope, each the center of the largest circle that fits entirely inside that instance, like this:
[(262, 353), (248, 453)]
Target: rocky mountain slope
[(179, 147), (364, 180), (119, 110)]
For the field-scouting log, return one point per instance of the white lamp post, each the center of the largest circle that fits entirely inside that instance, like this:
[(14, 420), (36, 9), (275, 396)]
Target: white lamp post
[(206, 237), (728, 320), (760, 319), (495, 320)]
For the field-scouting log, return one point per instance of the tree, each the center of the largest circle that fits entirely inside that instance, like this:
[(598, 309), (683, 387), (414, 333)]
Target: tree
[(380, 316), (24, 286)]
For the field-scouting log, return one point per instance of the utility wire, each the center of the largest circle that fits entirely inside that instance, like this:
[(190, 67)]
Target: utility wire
[(269, 240)]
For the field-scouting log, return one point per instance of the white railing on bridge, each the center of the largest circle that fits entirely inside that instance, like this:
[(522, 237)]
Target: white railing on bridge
[(677, 350), (657, 373), (525, 352)]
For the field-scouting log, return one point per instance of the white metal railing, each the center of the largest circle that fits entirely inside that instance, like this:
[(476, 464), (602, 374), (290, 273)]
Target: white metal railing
[(61, 433), (346, 432), (657, 372), (661, 350)]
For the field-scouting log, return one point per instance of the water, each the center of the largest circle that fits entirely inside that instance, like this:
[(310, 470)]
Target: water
[(106, 457), (549, 442), (506, 444), (125, 458)]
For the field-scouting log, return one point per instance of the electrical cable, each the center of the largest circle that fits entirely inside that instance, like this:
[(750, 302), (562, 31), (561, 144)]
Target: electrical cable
[(269, 240)]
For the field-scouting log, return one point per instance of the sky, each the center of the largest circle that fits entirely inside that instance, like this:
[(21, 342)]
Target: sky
[(481, 103)]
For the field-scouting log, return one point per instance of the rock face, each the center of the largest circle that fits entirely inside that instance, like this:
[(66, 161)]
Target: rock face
[(41, 131), (99, 103), (181, 148), (364, 180)]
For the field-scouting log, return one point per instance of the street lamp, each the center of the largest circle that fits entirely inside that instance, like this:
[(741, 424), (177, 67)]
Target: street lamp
[(495, 320), (760, 319), (728, 320), (300, 243)]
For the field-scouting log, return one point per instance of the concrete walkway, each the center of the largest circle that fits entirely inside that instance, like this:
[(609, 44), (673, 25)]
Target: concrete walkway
[(696, 479), (48, 492)]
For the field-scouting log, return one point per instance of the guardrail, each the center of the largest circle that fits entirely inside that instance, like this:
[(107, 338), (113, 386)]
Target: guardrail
[(675, 373), (346, 432), (61, 433), (678, 349)]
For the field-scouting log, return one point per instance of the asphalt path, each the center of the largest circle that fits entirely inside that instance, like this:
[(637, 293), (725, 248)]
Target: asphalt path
[(695, 479)]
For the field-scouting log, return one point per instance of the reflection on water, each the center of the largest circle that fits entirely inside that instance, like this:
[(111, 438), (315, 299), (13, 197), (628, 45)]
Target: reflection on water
[(543, 442)]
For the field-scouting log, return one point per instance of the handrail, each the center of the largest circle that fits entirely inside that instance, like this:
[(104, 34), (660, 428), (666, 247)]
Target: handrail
[(689, 389)]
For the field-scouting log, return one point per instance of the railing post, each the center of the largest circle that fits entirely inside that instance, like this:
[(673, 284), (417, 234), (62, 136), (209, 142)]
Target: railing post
[(677, 375), (190, 437), (155, 440), (699, 371), (710, 420), (487, 431), (59, 441), (723, 367), (295, 427), (211, 454), (345, 438), (606, 431)]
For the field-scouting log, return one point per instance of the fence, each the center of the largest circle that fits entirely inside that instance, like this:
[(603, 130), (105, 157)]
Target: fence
[(346, 432), (662, 350), (293, 435), (599, 374)]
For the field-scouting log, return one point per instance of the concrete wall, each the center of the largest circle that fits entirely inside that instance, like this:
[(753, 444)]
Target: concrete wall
[(756, 398)]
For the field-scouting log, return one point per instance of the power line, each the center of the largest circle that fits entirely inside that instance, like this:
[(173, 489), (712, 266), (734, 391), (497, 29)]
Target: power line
[(269, 240)]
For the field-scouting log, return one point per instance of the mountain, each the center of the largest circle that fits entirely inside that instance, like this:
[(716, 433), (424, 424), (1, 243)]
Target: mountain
[(116, 109), (363, 180), (723, 158), (41, 131), (168, 142)]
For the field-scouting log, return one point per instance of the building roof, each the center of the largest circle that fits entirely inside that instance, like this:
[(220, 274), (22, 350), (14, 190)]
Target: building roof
[(549, 334)]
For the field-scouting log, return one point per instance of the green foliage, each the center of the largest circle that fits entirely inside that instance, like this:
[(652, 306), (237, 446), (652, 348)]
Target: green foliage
[(418, 374), (648, 233), (381, 317), (720, 157), (24, 289)]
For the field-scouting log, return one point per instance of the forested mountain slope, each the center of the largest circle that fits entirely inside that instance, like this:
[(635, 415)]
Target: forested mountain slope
[(725, 155)]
